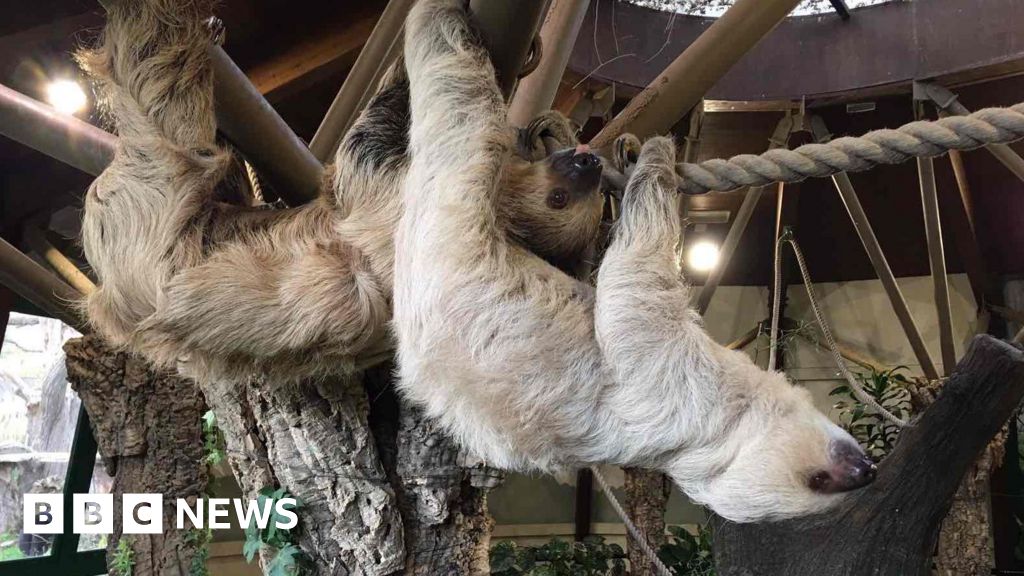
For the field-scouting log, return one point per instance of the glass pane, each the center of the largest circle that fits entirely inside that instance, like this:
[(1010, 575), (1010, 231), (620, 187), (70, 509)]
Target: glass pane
[(38, 412), (101, 484)]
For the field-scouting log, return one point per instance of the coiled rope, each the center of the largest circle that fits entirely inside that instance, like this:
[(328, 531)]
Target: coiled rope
[(919, 139), (855, 387)]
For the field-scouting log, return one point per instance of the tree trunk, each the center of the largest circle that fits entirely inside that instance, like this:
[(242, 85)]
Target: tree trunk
[(149, 429), (890, 528), (965, 540), (383, 492), (647, 495)]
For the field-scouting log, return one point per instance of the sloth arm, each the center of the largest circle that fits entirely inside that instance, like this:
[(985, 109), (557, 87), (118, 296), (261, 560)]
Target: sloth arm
[(650, 337), (494, 342)]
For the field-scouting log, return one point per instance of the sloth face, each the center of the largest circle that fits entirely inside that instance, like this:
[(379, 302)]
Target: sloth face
[(789, 460), (553, 206)]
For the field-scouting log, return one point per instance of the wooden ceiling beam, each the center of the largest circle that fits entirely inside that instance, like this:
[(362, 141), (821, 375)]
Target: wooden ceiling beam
[(307, 61)]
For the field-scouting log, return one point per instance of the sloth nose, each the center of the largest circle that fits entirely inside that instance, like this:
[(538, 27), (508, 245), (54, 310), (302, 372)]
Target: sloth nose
[(586, 162), (850, 469)]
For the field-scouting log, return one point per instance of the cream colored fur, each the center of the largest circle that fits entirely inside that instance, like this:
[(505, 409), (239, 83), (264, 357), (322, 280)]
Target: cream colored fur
[(533, 370), (224, 291)]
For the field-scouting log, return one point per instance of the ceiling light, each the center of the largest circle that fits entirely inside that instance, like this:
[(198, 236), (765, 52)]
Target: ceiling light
[(703, 256), (66, 96)]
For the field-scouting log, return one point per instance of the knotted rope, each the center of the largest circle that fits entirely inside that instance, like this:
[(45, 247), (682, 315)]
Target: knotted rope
[(919, 139)]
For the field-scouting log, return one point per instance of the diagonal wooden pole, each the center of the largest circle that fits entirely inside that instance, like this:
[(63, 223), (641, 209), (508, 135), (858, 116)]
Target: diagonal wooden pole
[(687, 79)]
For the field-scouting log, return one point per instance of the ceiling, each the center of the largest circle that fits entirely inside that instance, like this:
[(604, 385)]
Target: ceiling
[(298, 53)]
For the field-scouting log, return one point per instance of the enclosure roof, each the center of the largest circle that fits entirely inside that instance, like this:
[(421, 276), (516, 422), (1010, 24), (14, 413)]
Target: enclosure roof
[(879, 49)]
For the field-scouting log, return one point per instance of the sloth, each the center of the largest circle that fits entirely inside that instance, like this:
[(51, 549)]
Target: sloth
[(224, 290), (531, 369)]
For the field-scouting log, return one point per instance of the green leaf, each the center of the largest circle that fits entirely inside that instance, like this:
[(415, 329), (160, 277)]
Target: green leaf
[(251, 548)]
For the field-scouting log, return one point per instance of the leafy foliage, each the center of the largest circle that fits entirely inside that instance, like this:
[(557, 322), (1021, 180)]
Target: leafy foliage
[(873, 432), (591, 557), (122, 562), (201, 540), (688, 555), (213, 440), (288, 559)]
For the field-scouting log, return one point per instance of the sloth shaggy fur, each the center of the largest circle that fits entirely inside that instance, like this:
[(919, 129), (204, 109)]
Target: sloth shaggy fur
[(532, 369), (222, 290)]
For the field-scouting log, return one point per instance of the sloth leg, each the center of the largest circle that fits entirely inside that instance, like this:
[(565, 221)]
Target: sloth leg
[(648, 335)]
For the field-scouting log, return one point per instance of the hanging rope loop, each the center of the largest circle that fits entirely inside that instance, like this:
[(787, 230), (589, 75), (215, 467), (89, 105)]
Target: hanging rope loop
[(858, 391)]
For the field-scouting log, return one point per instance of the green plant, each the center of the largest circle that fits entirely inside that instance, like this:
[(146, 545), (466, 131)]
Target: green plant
[(213, 440), (589, 557), (288, 558), (200, 538), (122, 562), (874, 433), (9, 549), (686, 554)]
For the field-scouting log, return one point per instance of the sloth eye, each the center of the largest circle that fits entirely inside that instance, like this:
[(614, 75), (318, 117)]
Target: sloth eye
[(559, 198), (820, 482)]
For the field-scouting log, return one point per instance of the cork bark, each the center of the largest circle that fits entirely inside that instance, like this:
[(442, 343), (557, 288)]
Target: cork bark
[(647, 495), (149, 431)]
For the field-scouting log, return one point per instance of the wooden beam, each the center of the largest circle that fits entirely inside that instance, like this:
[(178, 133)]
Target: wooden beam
[(881, 265), (380, 51), (687, 79), (937, 260), (536, 93), (333, 46)]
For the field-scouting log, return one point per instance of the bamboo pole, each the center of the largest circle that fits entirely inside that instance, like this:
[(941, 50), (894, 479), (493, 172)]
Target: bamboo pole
[(61, 264)]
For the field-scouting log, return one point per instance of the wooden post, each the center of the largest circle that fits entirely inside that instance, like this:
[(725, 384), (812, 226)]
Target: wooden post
[(509, 27)]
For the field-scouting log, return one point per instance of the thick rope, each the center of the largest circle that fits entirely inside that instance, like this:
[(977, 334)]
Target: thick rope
[(854, 154), (638, 537), (855, 386)]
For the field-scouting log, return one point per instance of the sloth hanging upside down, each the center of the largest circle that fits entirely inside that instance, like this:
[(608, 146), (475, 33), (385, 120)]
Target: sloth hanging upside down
[(222, 291), (534, 370)]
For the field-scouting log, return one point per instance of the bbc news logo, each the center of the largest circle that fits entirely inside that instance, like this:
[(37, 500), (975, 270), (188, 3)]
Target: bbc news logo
[(143, 513)]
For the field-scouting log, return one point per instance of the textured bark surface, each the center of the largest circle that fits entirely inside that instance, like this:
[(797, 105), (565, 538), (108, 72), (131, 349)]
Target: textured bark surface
[(891, 527), (148, 426), (314, 439), (647, 495), (965, 541), (441, 495)]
